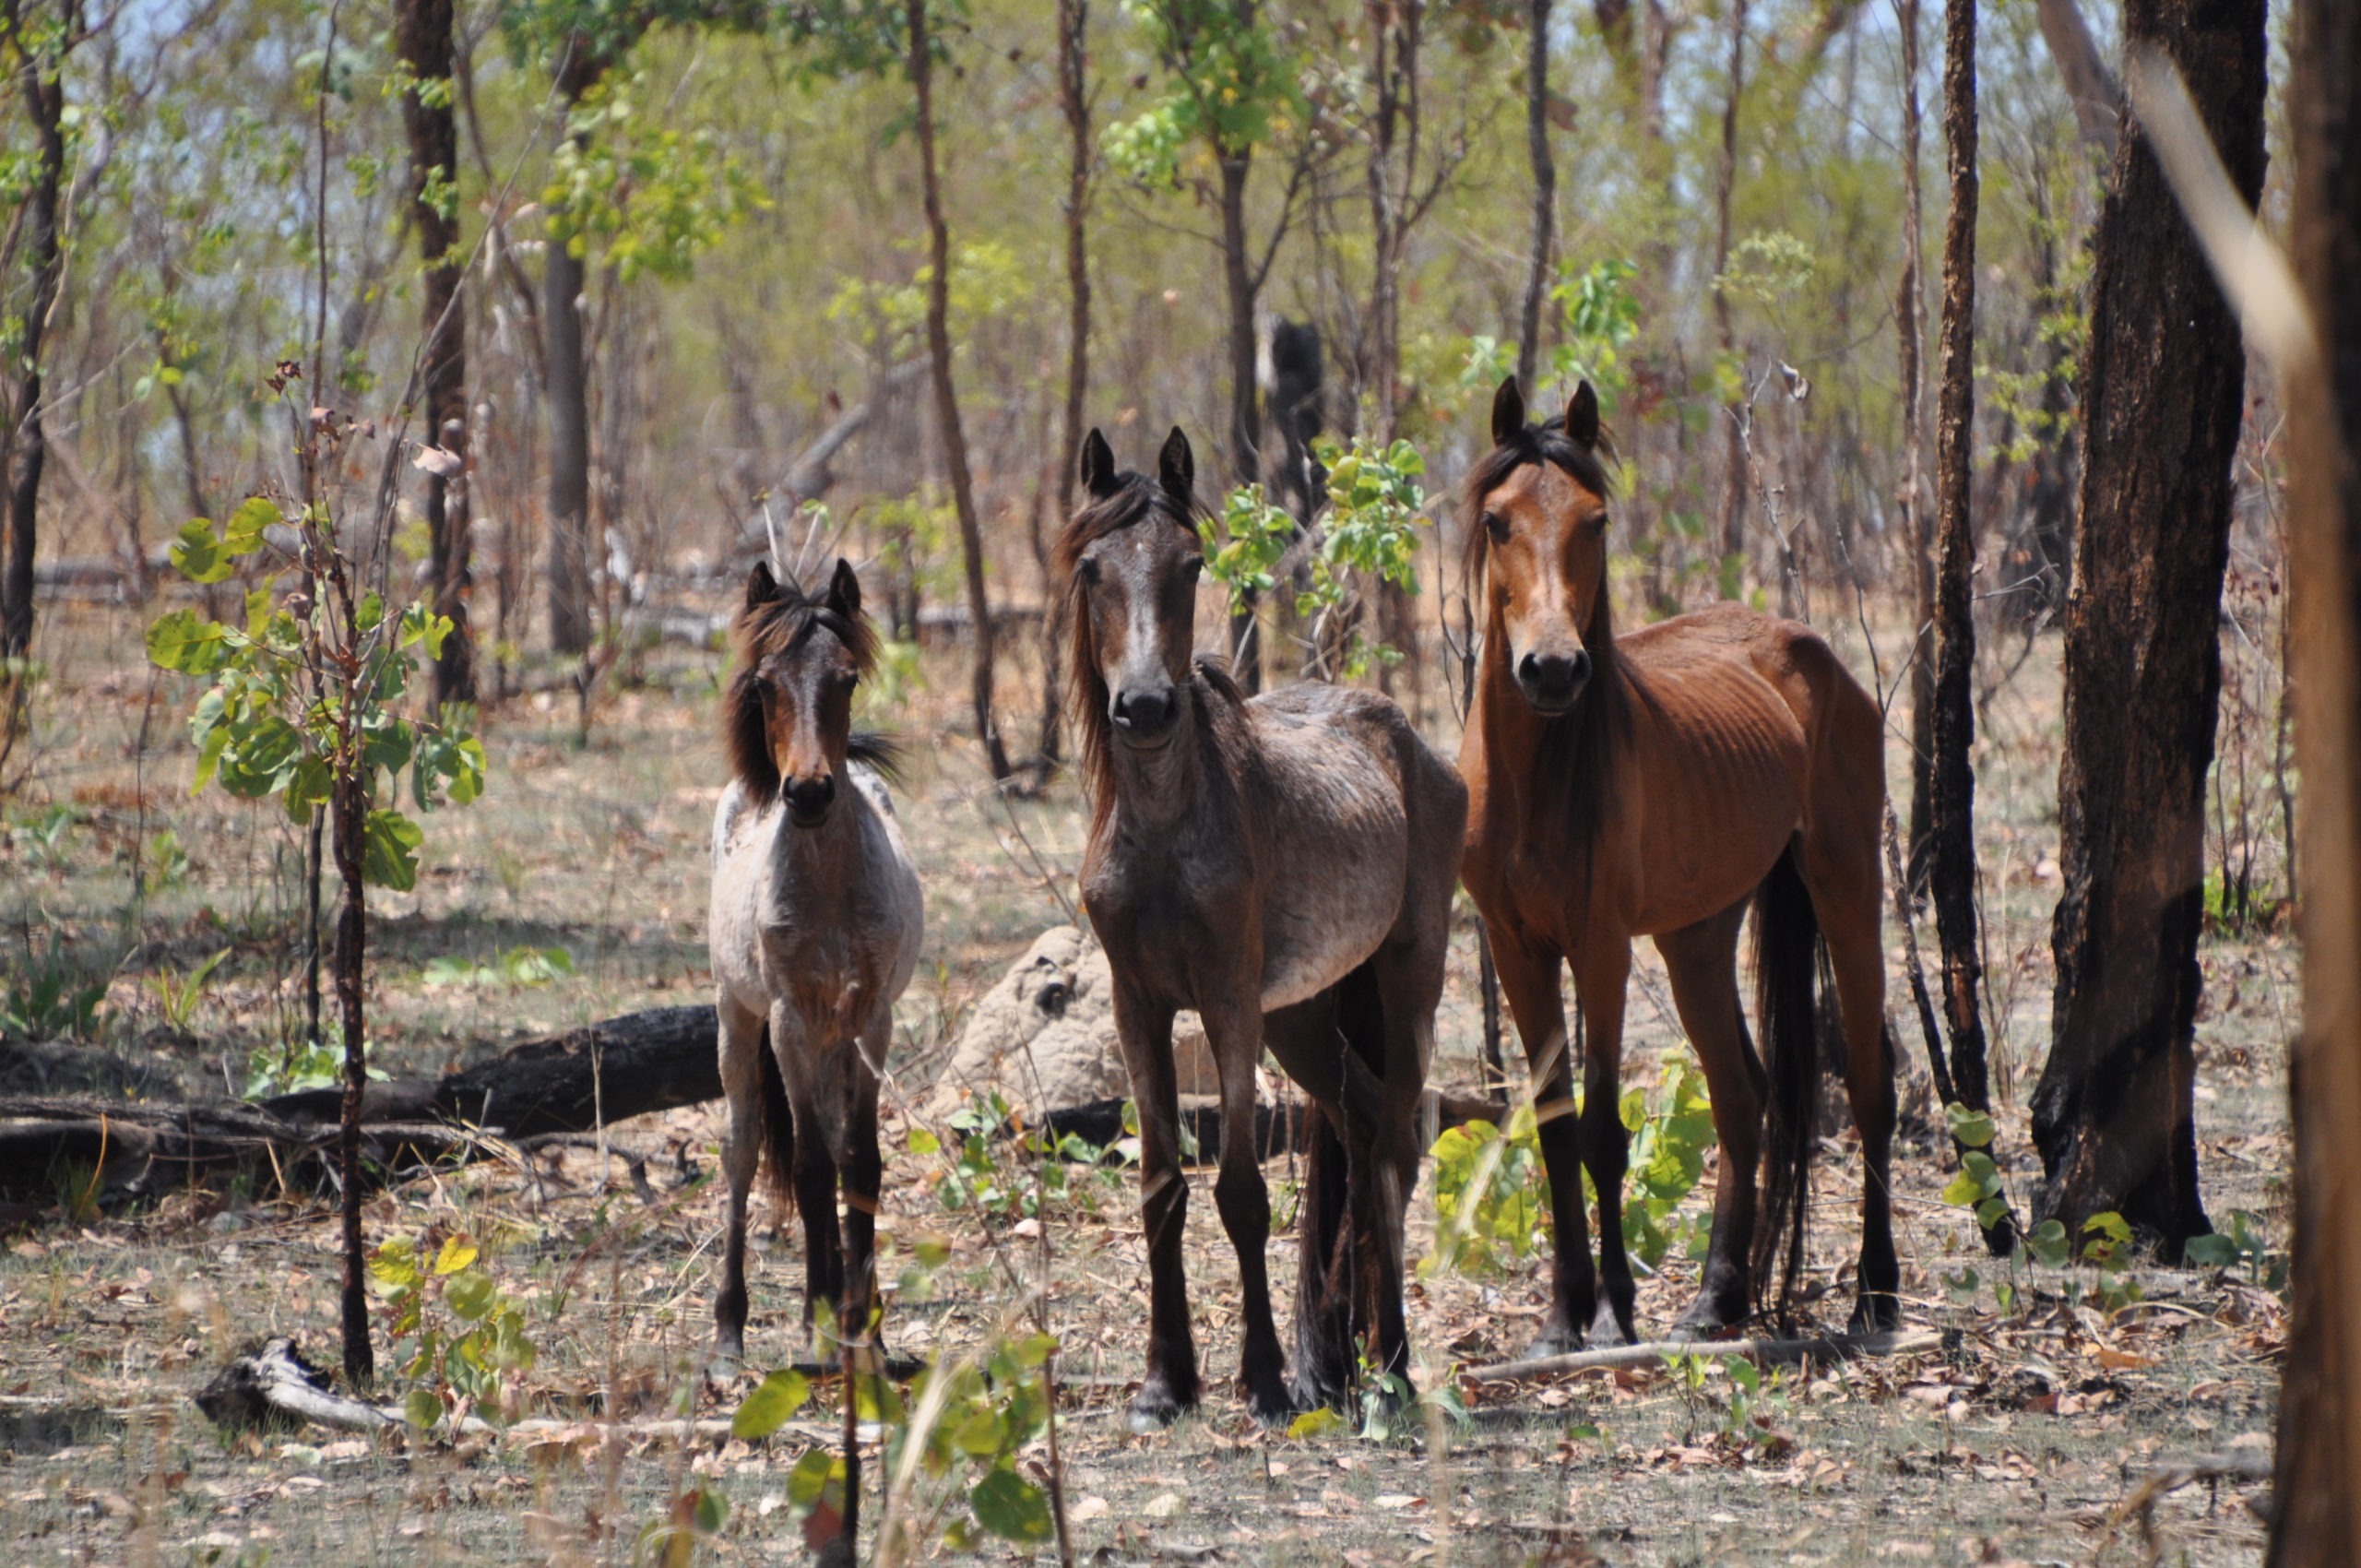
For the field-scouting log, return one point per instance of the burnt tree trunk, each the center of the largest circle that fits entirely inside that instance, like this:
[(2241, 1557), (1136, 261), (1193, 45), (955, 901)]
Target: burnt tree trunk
[(2162, 390), (1733, 520), (1073, 101), (566, 375), (422, 33), (1545, 177), (1909, 316), (2316, 1491), (946, 396), (1245, 413), (1952, 863), (41, 64), (349, 805)]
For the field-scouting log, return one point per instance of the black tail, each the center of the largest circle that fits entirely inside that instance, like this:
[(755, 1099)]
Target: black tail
[(1788, 955), (779, 1126)]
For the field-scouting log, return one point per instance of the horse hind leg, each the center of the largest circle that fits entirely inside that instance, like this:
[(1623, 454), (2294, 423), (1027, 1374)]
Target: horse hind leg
[(1701, 960), (1849, 905), (1529, 980)]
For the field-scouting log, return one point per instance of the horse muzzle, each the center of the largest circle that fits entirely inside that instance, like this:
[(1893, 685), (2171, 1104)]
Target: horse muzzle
[(810, 801), (1552, 682), (1145, 718)]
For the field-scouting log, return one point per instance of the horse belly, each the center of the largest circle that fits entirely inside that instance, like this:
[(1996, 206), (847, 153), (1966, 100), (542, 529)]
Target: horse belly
[(1328, 922)]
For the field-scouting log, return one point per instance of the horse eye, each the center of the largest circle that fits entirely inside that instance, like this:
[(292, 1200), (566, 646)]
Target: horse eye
[(1498, 526), (1194, 567), (1087, 569)]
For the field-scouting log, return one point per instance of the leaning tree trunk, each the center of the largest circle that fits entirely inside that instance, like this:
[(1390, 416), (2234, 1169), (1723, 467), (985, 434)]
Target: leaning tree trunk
[(2316, 1518), (1909, 323), (1545, 178), (44, 94), (1951, 866), (946, 397), (2164, 383), (567, 377), (422, 33)]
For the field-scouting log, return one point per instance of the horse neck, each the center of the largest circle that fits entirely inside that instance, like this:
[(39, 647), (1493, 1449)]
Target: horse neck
[(1154, 791), (830, 856), (1515, 737)]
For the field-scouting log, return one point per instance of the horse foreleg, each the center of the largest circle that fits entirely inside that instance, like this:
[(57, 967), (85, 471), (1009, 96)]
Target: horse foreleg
[(1701, 962), (1529, 973), (1145, 1030), (741, 1043), (816, 1169), (1599, 990), (1235, 1034), (862, 1170), (1858, 968)]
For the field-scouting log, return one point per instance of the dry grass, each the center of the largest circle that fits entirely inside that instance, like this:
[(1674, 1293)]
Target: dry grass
[(2013, 1444)]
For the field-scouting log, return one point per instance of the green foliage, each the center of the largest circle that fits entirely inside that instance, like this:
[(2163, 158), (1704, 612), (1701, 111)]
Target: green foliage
[(2242, 1244), (1232, 86), (45, 837), (989, 282), (177, 998), (272, 725), (1602, 318), (983, 1415), (973, 1176), (1244, 542), (769, 1407), (519, 968), (51, 1000), (652, 196), (1767, 267), (300, 1066), (164, 866), (1978, 1187), (1668, 1159), (464, 1357)]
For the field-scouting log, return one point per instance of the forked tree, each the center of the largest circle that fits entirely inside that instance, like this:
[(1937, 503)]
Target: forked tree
[(2163, 396), (2316, 1516)]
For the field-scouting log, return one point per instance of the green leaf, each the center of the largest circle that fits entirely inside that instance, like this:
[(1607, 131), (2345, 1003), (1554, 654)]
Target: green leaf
[(422, 1408), (472, 1294), (457, 1253), (243, 536), (1316, 1422), (766, 1410), (982, 1433), (712, 1509), (923, 1142), (1991, 1211), (389, 850), (818, 1476), (1012, 1507), (198, 555), (1963, 1190), (1971, 1128), (188, 642)]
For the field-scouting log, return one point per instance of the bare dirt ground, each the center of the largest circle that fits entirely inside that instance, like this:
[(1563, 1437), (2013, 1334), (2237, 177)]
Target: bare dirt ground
[(2028, 1437)]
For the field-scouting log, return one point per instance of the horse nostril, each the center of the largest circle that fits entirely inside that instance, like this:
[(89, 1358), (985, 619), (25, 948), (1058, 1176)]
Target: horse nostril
[(1144, 713), (1528, 669), (810, 795), (1581, 666)]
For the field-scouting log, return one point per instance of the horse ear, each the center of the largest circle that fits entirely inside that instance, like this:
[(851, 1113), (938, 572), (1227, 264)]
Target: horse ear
[(761, 586), (1177, 466), (843, 591), (1098, 466), (1581, 418), (1508, 413)]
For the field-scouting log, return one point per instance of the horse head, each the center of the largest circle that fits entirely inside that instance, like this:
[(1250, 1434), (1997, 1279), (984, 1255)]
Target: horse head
[(1131, 557), (1537, 535), (788, 708)]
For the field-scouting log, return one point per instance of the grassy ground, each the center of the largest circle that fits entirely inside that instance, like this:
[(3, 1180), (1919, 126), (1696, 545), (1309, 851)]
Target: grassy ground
[(2024, 1439)]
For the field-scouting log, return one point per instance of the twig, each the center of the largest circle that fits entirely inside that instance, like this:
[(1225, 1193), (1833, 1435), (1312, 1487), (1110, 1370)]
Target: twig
[(1833, 1347)]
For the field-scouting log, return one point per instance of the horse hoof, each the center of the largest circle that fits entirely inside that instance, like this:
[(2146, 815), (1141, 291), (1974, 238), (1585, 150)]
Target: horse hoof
[(1273, 1412), (1155, 1408), (1876, 1311), (1702, 1321), (1553, 1342), (1611, 1328), (728, 1362)]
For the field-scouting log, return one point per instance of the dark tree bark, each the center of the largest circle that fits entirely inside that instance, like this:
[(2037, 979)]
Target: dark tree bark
[(350, 806), (1245, 409), (1545, 173), (1951, 864), (1732, 519), (1073, 101), (423, 34), (2162, 392), (2315, 1494), (40, 68), (1909, 320), (946, 396), (567, 376)]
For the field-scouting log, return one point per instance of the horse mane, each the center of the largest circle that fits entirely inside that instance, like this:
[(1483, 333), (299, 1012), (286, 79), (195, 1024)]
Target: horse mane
[(1578, 747), (1135, 499), (777, 627)]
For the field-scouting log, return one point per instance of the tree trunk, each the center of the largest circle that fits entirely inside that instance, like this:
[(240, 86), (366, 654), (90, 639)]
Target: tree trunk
[(2163, 391), (2317, 1490), (350, 804), (1733, 521), (1245, 415), (1545, 181), (423, 34), (1909, 322), (567, 377), (1953, 838), (1074, 100), (42, 70), (946, 397)]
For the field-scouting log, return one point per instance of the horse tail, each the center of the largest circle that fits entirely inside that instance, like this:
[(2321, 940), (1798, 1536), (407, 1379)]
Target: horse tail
[(1788, 956), (778, 1123)]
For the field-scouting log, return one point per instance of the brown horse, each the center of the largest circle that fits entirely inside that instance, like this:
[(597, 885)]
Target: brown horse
[(1285, 866), (1656, 785), (814, 931)]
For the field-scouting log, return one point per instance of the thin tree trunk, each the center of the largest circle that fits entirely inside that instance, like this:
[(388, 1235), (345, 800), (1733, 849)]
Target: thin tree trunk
[(1909, 319), (2316, 1520), (1952, 836), (1073, 101), (43, 68), (1545, 180), (422, 33), (1733, 521), (1245, 416), (2163, 387), (946, 397), (349, 804), (567, 377)]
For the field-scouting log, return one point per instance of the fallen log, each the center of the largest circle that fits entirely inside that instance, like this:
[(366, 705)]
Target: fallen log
[(1830, 1347)]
